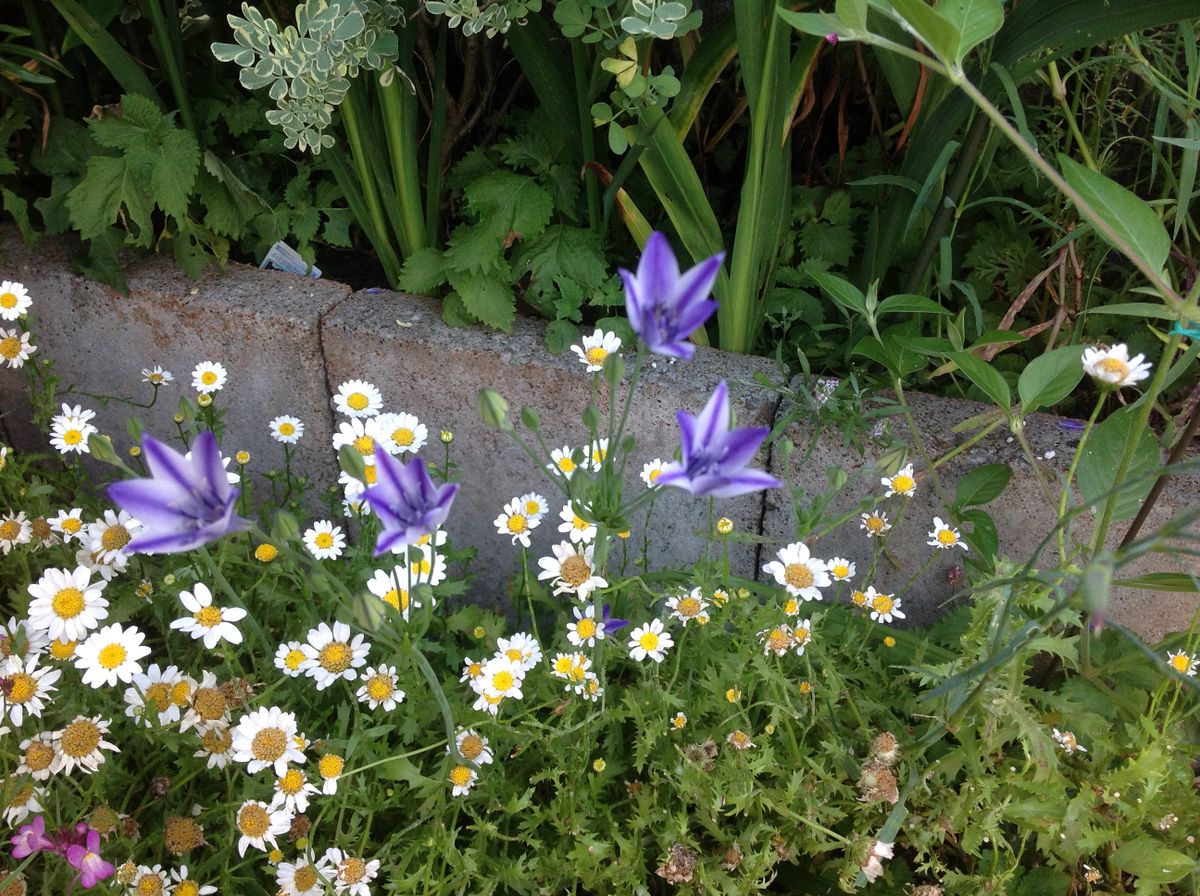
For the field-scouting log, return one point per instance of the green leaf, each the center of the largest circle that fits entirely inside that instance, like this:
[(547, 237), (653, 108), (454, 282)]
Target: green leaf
[(559, 336), (1135, 309), (1102, 454), (486, 298), (510, 204), (1132, 219), (976, 21), (934, 30), (853, 13), (982, 485), (1145, 858), (909, 304), (842, 291), (564, 252), (815, 23), (1162, 581), (1049, 378), (108, 189), (985, 377), (424, 271)]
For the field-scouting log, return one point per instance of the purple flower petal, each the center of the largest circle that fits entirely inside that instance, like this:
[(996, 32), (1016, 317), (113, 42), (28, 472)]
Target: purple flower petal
[(407, 502), (665, 308)]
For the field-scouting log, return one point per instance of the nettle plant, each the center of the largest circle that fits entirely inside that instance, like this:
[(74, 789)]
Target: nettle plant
[(201, 694)]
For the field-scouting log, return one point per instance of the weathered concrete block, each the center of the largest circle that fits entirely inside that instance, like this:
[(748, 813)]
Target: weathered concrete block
[(399, 343), (262, 326), (1024, 514)]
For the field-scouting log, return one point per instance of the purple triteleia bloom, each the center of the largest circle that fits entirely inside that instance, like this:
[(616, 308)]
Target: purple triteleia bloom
[(186, 502), (714, 456), (31, 838), (406, 501), (85, 858), (610, 624), (665, 307)]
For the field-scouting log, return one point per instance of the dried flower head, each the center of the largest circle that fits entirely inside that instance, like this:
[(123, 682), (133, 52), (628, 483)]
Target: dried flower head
[(877, 784), (679, 866)]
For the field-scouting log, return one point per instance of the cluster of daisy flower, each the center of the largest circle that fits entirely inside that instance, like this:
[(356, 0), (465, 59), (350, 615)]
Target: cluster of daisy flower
[(15, 348)]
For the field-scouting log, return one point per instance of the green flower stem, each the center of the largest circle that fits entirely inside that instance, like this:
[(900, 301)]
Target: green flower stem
[(1059, 90), (1066, 489), (968, 444), (10, 878), (529, 593), (439, 695)]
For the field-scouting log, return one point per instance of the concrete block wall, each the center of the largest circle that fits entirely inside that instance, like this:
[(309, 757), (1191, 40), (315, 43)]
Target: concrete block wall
[(288, 342)]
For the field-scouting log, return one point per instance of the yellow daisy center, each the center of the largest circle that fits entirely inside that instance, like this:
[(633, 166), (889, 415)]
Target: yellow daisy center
[(268, 744), (180, 693), (369, 474), (403, 436), (882, 603), (208, 616), (209, 704), (8, 300), (72, 525), (111, 656), (597, 355), (1181, 662), (292, 782), (286, 429), (471, 747), (39, 755), (10, 347), (208, 377), (380, 687), (21, 687), (903, 483), (335, 657), (303, 879), (10, 530), (187, 888), (947, 536), (648, 642), (566, 465), (67, 603), (580, 523), (80, 738), (563, 664), (218, 741), (532, 508), (575, 570), (62, 650), (503, 680), (293, 659), (158, 696), (800, 636), (115, 538), (874, 524), (324, 540), (841, 571), (585, 628), (149, 884), (516, 524), (1115, 366), (778, 640), (688, 606), (364, 445), (253, 820), (791, 607), (352, 870), (474, 670), (397, 598), (357, 401), (798, 575), (460, 776), (331, 765), (265, 553)]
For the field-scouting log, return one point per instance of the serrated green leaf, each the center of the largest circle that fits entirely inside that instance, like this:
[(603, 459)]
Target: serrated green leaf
[(336, 231), (511, 204), (175, 162), (564, 252), (423, 272), (109, 189), (488, 299), (1132, 219), (1049, 378), (982, 485)]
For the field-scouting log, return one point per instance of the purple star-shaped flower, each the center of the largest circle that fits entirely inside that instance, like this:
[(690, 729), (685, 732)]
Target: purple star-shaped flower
[(185, 503), (406, 501), (85, 858), (714, 456), (665, 307)]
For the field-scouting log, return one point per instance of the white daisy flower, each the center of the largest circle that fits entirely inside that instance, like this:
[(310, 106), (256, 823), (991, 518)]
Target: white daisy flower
[(651, 472), (351, 874), (206, 622), (331, 654), (462, 779), (15, 529), (67, 604), (286, 429), (111, 654), (595, 349), (159, 696), (689, 607), (80, 745), (394, 589), (471, 669), (216, 746), (534, 505), (324, 540), (840, 569), (1113, 368), (500, 678), (883, 607), (1066, 740), (562, 462), (299, 878), (945, 536), (156, 376), (874, 523), (150, 880), (799, 572), (209, 708), (259, 825), (650, 640), (208, 377), (571, 667), (513, 521), (571, 570), (182, 885), (585, 630), (777, 640), (902, 483), (292, 791), (473, 747), (25, 802), (380, 687), (401, 433), (575, 527), (357, 398), (425, 567), (521, 648), (21, 639), (801, 635), (266, 738), (358, 433), (15, 348), (107, 537), (14, 300), (1181, 662), (27, 687), (70, 430), (289, 658), (596, 453), (330, 767), (37, 756)]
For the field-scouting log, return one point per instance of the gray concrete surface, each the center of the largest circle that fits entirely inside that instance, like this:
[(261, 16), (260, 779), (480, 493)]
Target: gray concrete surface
[(288, 342)]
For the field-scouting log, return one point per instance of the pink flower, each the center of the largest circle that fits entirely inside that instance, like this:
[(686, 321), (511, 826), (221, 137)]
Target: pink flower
[(86, 860), (31, 838)]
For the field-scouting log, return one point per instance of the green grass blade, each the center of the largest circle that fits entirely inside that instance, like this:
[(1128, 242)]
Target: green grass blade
[(122, 66)]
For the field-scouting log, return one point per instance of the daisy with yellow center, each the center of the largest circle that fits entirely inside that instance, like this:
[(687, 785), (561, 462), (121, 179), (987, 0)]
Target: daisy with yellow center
[(576, 527), (777, 640), (37, 756), (739, 740), (208, 377), (471, 669), (158, 696), (585, 630), (216, 746), (799, 572), (108, 537), (1066, 740), (651, 472), (522, 648), (473, 747), (874, 524), (883, 607), (330, 767), (945, 536), (186, 886), (425, 565), (79, 745), (324, 540), (801, 635), (111, 655), (357, 398), (380, 688), (394, 589), (27, 688), (678, 721), (289, 658), (208, 623), (15, 348), (150, 881), (500, 677), (299, 878), (266, 738), (1183, 663), (594, 350), (571, 570), (15, 529), (596, 454), (902, 483), (1113, 368), (462, 779), (689, 607), (21, 804), (515, 522), (286, 429), (562, 462), (14, 300), (292, 791), (157, 376), (330, 654), (840, 569), (208, 705), (351, 874), (533, 505), (401, 433), (571, 667), (650, 641), (259, 825)]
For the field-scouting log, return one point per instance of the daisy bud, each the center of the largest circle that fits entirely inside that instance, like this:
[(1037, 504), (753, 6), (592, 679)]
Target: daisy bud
[(493, 410), (446, 436), (102, 449), (530, 418)]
